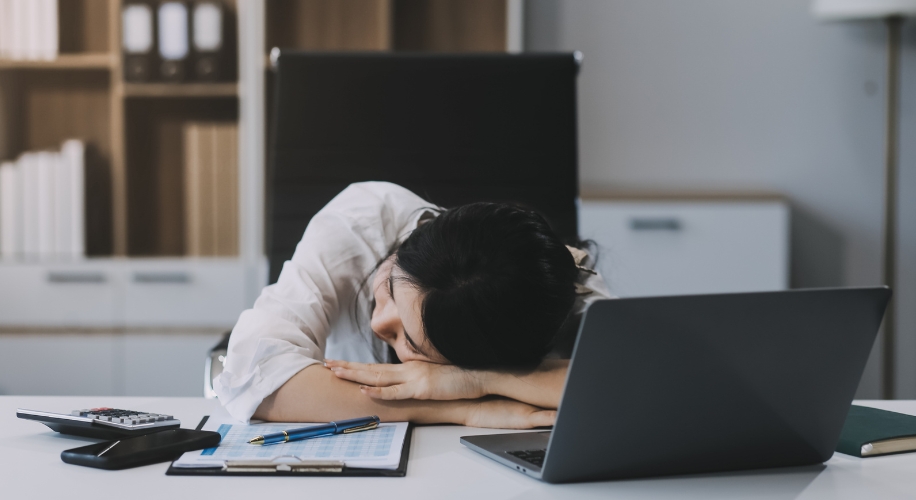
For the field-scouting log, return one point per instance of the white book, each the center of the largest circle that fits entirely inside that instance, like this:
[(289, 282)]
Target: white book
[(62, 206), (49, 29), (46, 211), (10, 211), (33, 30), (28, 169), (17, 25), (173, 31), (74, 155)]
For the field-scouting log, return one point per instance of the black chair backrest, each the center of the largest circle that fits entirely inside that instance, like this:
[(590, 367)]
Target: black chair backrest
[(453, 128)]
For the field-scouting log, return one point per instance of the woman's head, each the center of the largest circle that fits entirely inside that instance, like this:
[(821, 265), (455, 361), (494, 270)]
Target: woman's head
[(481, 285)]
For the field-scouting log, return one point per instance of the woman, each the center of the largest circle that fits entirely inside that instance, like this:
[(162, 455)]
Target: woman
[(440, 316)]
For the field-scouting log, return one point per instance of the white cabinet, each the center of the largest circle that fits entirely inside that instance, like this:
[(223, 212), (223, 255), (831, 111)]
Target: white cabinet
[(78, 294), (147, 362), (118, 293), (184, 292), (669, 247)]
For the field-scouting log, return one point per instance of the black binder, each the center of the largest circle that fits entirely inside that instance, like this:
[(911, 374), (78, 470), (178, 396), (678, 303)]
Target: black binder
[(401, 471)]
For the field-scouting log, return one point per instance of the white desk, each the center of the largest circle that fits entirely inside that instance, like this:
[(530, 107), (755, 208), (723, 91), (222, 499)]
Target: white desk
[(440, 467)]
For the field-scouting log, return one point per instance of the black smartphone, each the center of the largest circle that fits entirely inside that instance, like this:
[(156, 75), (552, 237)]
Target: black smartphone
[(141, 450)]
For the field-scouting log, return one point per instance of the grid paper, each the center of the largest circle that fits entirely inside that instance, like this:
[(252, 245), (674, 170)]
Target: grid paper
[(365, 444)]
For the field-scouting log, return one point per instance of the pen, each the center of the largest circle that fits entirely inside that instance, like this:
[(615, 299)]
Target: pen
[(339, 427)]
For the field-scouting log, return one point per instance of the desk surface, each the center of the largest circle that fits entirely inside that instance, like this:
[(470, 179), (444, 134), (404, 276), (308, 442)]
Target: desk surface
[(30, 467)]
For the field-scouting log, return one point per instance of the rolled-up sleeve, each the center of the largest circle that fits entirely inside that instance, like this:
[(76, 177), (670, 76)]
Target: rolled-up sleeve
[(287, 328)]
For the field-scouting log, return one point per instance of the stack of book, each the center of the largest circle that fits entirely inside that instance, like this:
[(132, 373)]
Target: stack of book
[(28, 30), (42, 205), (211, 188)]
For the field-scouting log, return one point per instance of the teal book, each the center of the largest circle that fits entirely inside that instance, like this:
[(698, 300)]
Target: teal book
[(870, 432)]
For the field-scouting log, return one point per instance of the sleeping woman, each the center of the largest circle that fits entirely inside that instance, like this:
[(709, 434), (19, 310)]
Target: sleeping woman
[(394, 307)]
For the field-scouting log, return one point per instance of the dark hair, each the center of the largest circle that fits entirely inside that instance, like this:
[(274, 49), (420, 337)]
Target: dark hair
[(497, 284)]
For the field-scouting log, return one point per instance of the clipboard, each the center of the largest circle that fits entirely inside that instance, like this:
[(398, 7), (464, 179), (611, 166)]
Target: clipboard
[(326, 469)]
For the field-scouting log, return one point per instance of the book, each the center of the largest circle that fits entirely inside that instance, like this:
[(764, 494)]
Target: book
[(226, 192), (137, 41), (198, 154), (45, 165), (207, 35), (870, 432), (174, 46), (62, 207), (10, 213), (48, 37), (73, 156), (211, 188), (17, 27), (28, 169), (33, 29)]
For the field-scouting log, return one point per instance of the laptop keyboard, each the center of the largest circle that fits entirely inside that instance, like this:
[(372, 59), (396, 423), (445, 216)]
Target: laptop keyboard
[(533, 457)]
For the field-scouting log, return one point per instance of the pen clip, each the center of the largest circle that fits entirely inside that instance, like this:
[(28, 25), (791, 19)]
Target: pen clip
[(369, 426)]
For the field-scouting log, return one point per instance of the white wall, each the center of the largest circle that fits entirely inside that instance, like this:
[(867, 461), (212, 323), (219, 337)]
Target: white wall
[(750, 96)]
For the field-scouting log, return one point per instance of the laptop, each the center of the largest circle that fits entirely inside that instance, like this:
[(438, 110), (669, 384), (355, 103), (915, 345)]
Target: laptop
[(702, 383)]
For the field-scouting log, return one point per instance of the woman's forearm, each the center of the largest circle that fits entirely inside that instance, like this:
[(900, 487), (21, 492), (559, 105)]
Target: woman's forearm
[(541, 387), (316, 395)]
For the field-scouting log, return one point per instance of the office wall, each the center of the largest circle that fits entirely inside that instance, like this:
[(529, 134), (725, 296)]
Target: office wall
[(732, 96)]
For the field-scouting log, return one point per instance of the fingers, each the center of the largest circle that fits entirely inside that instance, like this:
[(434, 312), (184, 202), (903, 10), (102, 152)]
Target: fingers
[(390, 393), (334, 363), (368, 377), (543, 418)]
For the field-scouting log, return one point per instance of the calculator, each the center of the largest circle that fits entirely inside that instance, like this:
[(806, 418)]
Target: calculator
[(102, 423)]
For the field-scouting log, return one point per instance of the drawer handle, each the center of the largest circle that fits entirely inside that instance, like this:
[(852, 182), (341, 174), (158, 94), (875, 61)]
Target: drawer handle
[(76, 277), (179, 277), (655, 224)]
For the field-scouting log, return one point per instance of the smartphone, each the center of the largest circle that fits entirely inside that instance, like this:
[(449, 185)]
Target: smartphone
[(153, 448)]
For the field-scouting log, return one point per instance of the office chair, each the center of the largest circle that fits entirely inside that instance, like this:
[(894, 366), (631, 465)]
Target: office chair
[(452, 128)]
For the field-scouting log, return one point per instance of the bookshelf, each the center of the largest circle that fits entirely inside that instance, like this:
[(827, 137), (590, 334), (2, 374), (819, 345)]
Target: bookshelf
[(137, 272)]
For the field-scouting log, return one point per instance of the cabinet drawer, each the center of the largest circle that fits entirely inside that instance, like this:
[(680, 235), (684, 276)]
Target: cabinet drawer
[(79, 294), (184, 293), (671, 248)]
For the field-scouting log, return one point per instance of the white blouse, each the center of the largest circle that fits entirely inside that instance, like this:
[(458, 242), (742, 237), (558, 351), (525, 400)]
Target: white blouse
[(320, 304)]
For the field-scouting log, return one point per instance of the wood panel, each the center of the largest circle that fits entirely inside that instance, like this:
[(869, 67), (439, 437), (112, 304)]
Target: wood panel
[(10, 113), (155, 174), (329, 24), (65, 105), (450, 25), (84, 26)]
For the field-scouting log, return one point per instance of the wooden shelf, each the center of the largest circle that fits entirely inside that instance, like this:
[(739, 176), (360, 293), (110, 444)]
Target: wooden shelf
[(99, 60), (223, 89)]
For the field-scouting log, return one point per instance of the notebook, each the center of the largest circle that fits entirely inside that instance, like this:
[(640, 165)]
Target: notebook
[(870, 432)]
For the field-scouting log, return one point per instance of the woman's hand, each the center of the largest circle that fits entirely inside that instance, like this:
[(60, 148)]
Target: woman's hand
[(507, 414), (411, 380)]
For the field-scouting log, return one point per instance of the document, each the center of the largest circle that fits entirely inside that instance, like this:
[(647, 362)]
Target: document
[(378, 448)]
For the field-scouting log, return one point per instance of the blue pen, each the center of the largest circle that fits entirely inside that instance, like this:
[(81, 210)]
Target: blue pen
[(339, 427)]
